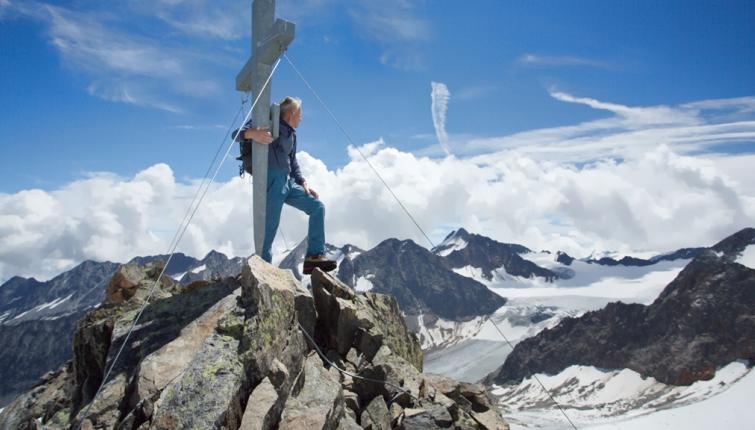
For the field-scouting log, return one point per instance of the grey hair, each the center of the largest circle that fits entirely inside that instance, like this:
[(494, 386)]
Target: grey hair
[(289, 104)]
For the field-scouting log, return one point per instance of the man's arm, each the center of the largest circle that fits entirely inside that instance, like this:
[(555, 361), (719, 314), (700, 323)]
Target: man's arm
[(258, 134)]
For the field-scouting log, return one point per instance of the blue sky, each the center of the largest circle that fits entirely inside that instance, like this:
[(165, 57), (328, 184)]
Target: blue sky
[(582, 126), (78, 108)]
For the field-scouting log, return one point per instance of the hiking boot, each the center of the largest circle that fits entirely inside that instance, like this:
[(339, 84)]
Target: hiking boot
[(318, 261)]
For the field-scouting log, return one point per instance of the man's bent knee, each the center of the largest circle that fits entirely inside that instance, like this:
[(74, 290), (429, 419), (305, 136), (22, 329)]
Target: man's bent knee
[(317, 207)]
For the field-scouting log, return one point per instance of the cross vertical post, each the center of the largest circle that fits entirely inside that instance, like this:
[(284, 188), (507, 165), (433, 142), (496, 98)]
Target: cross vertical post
[(270, 38)]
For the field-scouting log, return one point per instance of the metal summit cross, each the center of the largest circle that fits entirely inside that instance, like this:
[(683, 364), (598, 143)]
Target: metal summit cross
[(270, 38)]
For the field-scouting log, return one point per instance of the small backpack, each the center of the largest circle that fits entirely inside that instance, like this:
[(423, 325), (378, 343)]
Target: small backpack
[(245, 147)]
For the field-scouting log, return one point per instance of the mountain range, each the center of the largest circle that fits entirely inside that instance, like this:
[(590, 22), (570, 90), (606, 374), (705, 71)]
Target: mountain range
[(446, 296)]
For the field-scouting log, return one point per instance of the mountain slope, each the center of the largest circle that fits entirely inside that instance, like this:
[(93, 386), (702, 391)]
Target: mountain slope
[(461, 249), (420, 281), (701, 320), (79, 288)]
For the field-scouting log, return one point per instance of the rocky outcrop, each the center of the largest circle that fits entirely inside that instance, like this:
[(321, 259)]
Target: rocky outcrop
[(702, 320), (253, 352), (364, 321)]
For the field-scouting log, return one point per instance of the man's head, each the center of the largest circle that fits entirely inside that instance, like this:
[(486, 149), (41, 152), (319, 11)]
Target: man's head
[(291, 111)]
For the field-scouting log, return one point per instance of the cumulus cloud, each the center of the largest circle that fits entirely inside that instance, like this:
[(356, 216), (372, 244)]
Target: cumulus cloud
[(657, 201), (439, 106)]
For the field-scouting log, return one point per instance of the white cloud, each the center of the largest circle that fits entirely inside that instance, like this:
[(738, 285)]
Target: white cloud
[(656, 201), (129, 65), (635, 117), (439, 106), (629, 131), (222, 19), (106, 217), (560, 61), (393, 26)]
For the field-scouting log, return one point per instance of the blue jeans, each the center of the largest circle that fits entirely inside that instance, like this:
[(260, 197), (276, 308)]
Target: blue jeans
[(282, 189)]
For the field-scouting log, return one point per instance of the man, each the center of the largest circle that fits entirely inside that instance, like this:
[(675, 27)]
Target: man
[(285, 184)]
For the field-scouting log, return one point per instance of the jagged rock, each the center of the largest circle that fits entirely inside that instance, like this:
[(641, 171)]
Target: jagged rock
[(102, 333), (348, 423), (131, 279), (103, 412), (238, 353), (260, 408), (474, 399), (350, 398), (397, 413), (316, 400), (403, 379), (277, 311), (364, 321), (49, 396), (160, 368), (430, 417), (207, 391), (702, 320), (376, 415)]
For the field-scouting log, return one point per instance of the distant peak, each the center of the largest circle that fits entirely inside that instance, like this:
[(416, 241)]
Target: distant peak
[(461, 233), (215, 254)]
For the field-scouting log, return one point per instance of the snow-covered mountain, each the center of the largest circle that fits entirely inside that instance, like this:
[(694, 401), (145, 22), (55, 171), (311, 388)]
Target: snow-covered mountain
[(603, 399), (461, 249), (542, 288), (706, 313), (23, 299)]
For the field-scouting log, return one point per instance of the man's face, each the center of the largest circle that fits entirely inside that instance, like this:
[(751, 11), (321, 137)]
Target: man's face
[(294, 117)]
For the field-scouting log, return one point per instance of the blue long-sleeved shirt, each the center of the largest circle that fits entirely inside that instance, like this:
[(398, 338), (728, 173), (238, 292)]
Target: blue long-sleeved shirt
[(281, 153)]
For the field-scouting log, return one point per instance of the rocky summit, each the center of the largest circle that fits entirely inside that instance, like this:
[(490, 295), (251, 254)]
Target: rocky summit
[(255, 351), (704, 319)]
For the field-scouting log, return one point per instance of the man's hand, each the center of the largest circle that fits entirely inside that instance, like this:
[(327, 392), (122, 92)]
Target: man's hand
[(310, 191), (259, 134)]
